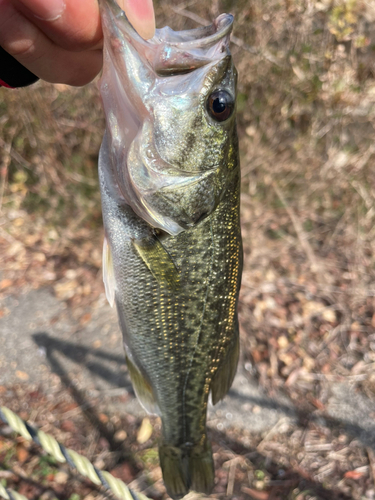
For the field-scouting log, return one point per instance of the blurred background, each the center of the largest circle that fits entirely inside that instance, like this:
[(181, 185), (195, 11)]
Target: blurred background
[(306, 120)]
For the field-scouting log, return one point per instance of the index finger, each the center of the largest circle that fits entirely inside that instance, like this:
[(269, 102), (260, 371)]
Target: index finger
[(75, 25)]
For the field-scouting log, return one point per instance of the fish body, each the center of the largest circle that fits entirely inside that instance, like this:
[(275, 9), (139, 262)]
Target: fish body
[(170, 186)]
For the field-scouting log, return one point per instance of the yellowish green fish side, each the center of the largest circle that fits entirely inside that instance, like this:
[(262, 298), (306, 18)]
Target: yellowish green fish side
[(170, 185)]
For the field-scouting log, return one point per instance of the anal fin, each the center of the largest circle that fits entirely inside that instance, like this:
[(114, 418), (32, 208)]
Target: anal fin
[(158, 261), (224, 376), (142, 388)]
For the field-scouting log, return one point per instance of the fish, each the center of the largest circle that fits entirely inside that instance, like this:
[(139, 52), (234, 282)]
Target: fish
[(169, 177)]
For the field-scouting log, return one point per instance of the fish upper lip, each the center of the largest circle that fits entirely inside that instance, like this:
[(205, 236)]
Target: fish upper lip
[(201, 37)]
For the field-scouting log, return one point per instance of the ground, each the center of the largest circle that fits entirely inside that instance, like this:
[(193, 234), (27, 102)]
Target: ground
[(299, 422)]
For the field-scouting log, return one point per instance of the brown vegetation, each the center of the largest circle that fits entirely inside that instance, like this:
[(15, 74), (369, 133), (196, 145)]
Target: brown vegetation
[(306, 113)]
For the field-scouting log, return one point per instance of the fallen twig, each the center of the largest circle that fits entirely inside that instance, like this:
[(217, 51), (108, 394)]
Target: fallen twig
[(315, 266)]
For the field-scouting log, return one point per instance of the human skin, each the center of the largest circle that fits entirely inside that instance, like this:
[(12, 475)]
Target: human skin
[(61, 41)]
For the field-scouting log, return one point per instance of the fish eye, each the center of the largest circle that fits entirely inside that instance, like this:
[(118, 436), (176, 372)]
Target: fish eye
[(220, 105)]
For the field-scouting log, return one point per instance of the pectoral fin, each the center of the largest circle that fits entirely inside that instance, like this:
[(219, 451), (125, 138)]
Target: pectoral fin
[(158, 261), (108, 273), (224, 376)]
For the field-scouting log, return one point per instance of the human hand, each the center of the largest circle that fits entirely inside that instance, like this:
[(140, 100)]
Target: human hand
[(61, 41)]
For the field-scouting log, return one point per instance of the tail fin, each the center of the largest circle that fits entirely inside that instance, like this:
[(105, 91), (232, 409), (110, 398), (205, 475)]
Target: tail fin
[(185, 468), (174, 472), (201, 468)]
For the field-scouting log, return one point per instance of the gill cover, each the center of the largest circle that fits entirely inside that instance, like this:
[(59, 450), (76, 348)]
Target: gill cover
[(167, 156)]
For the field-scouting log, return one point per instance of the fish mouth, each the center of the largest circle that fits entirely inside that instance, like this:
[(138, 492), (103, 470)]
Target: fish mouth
[(185, 51), (204, 36), (172, 52)]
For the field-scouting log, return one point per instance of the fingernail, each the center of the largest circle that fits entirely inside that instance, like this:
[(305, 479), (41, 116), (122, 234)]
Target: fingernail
[(142, 17), (47, 10)]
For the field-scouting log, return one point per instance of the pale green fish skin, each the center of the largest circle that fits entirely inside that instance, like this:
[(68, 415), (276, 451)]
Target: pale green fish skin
[(170, 186)]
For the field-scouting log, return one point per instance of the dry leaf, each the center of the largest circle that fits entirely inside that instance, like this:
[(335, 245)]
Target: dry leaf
[(145, 431), (318, 404), (313, 308), (293, 377), (283, 342), (85, 319), (61, 477), (329, 315), (39, 257), (120, 435), (308, 363), (22, 375), (5, 283), (68, 426), (103, 418), (22, 453), (66, 289), (286, 358), (353, 474), (15, 248)]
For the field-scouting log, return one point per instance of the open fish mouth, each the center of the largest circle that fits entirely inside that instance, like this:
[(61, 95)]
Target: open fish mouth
[(169, 51), (188, 50), (203, 36)]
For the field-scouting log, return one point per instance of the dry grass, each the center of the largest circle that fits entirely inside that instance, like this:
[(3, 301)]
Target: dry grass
[(306, 111)]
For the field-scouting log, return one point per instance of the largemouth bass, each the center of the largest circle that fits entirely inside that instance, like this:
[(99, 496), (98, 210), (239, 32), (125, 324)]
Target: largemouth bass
[(170, 186)]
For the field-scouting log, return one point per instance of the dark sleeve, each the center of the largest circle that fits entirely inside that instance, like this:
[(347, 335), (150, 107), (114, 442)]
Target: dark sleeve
[(12, 73)]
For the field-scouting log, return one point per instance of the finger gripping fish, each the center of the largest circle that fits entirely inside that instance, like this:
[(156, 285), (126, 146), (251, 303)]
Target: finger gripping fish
[(170, 186)]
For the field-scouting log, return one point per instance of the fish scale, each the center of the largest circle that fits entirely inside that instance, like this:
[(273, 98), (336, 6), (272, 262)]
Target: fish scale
[(171, 198), (175, 323)]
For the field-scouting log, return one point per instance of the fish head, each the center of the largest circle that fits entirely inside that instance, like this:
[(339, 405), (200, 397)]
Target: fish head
[(170, 110)]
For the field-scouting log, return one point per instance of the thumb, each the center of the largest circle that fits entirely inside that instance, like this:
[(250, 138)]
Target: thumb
[(141, 15)]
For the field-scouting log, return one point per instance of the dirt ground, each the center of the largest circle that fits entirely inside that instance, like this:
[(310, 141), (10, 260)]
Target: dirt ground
[(306, 118), (70, 380)]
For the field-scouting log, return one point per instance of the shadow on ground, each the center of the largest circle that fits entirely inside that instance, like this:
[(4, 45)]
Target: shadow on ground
[(281, 486), (79, 354)]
